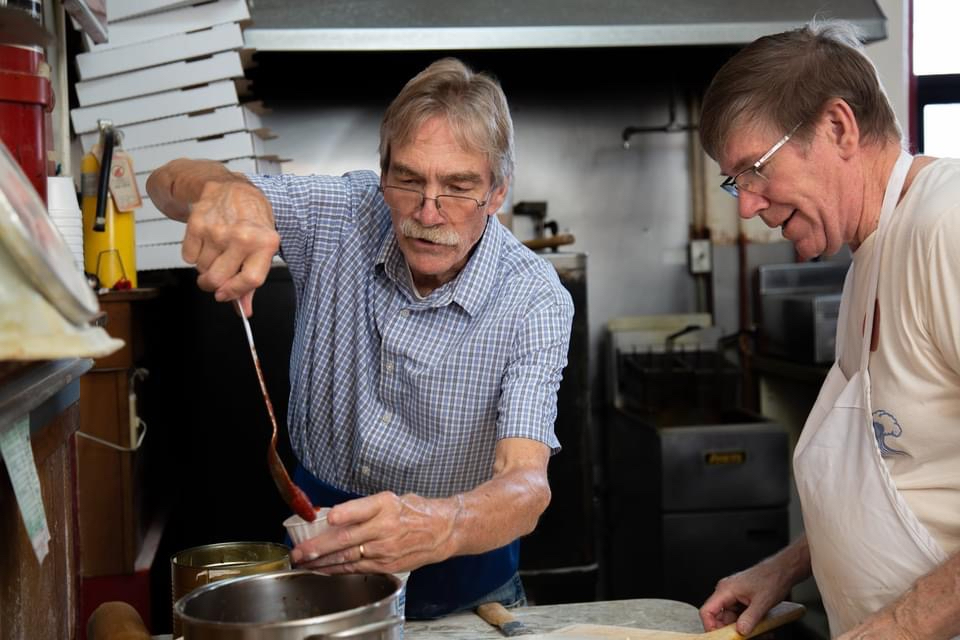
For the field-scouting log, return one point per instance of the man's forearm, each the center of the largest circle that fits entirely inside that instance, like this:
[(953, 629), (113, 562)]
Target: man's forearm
[(930, 609), (794, 560), (179, 183), (498, 512)]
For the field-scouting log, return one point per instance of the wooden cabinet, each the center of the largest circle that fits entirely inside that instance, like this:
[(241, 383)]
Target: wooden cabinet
[(113, 523), (119, 532), (110, 528), (41, 600)]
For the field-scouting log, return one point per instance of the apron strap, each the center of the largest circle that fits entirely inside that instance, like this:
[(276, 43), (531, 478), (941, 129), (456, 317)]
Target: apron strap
[(890, 200)]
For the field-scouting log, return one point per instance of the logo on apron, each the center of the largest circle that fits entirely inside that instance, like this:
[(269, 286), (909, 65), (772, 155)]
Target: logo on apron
[(886, 424)]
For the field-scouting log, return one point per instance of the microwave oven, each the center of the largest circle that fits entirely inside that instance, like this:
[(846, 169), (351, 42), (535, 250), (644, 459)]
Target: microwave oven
[(798, 304), (801, 327)]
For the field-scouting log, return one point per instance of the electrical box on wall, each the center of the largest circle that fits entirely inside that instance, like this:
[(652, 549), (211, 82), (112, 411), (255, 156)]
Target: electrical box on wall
[(700, 256)]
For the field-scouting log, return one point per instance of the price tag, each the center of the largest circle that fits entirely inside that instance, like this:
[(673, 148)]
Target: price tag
[(123, 183), (18, 457)]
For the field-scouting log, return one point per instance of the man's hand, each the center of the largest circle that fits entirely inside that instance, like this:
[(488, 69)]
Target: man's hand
[(401, 533), (231, 239), (230, 236), (398, 533), (747, 596)]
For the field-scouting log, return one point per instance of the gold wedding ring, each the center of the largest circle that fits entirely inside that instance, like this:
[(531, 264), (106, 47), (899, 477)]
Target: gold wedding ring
[(361, 552)]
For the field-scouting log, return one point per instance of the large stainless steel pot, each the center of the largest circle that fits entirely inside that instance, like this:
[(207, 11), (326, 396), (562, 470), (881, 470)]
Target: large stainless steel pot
[(293, 605)]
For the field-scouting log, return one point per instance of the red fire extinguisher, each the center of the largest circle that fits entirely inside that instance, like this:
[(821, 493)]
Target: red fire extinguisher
[(26, 102)]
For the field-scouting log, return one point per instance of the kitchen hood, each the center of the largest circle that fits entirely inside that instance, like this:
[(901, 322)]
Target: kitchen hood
[(421, 25)]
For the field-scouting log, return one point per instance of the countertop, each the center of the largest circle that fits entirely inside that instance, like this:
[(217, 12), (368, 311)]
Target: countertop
[(667, 615)]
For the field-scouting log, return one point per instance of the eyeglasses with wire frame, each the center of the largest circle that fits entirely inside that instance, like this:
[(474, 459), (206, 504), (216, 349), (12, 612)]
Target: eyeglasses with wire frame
[(747, 180), (407, 200)]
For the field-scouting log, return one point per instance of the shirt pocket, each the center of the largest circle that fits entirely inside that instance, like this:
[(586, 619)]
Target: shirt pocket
[(457, 392)]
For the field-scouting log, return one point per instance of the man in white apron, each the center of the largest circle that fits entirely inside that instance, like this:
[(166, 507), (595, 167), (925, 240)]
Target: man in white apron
[(803, 128)]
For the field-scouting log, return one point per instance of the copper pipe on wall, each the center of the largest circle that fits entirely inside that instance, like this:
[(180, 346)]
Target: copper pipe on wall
[(698, 201), (743, 283), (750, 397), (697, 180)]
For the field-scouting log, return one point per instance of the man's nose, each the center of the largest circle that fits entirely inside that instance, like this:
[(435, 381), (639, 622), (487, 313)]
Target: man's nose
[(749, 204), (429, 214)]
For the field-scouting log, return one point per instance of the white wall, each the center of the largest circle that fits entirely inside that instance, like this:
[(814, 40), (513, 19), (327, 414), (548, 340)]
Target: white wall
[(890, 57), (629, 209)]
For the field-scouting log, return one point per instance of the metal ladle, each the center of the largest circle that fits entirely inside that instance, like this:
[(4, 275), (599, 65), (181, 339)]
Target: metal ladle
[(293, 495)]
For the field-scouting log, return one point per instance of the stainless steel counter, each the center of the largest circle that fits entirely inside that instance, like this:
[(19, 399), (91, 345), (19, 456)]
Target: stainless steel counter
[(667, 615)]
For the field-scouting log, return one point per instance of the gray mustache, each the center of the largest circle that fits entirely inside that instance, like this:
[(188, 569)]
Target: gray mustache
[(413, 229)]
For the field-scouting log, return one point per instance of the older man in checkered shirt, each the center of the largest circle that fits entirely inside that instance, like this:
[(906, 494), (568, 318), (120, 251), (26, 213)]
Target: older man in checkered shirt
[(429, 342)]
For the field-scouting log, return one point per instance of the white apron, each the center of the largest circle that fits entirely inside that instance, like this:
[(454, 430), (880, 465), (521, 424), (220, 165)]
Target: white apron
[(866, 546)]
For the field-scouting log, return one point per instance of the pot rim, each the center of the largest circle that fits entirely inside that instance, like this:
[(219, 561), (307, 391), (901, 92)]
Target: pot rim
[(180, 605), (275, 546)]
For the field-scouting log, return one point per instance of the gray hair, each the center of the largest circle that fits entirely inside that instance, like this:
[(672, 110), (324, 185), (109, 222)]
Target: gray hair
[(472, 103), (787, 78)]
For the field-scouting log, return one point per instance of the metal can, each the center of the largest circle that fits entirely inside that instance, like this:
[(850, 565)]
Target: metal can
[(201, 565)]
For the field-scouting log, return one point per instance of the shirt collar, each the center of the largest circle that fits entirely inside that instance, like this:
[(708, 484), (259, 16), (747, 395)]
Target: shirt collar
[(471, 286)]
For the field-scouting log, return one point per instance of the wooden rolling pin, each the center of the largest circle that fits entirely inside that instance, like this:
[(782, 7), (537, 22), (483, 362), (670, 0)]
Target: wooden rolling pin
[(116, 621), (496, 614)]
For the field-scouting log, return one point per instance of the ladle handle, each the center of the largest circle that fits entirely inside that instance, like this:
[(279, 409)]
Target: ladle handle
[(246, 322)]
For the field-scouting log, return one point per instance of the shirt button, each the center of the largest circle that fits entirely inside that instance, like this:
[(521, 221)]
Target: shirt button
[(386, 417), (388, 367), (404, 313), (365, 470)]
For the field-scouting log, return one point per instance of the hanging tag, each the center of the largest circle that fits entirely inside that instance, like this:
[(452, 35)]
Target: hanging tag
[(18, 457), (123, 183)]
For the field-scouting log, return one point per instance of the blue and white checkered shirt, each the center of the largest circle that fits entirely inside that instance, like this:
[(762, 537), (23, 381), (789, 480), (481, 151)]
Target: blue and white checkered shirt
[(392, 392)]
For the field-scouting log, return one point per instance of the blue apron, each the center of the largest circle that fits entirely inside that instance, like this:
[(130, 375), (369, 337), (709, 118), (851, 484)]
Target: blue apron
[(456, 584)]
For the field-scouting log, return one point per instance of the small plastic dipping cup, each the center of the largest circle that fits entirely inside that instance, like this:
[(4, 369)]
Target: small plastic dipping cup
[(300, 530), (402, 600)]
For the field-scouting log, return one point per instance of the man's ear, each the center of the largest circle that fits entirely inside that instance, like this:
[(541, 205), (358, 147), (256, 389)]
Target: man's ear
[(842, 128), (495, 201)]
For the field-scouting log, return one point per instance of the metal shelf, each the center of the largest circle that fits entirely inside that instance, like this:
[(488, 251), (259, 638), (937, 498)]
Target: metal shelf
[(385, 25)]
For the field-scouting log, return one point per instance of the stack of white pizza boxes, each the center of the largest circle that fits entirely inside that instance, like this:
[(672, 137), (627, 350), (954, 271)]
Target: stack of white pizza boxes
[(171, 79)]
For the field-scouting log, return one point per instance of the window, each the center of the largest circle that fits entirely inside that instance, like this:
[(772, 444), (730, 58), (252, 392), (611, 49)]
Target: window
[(936, 67)]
